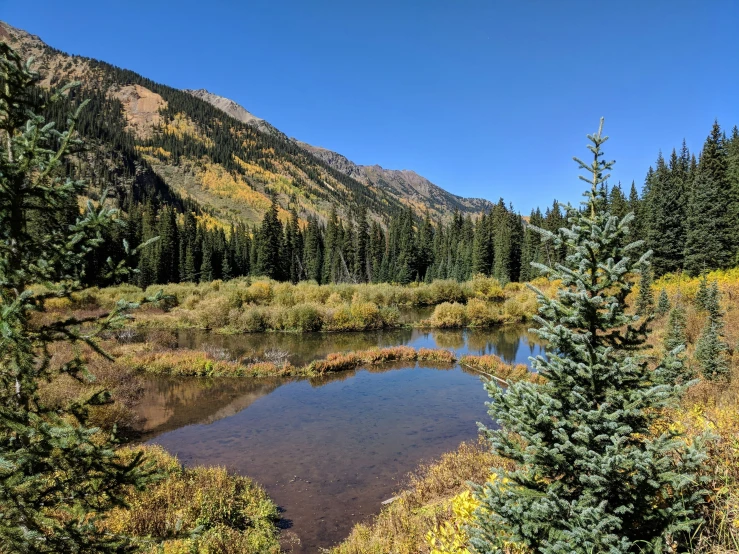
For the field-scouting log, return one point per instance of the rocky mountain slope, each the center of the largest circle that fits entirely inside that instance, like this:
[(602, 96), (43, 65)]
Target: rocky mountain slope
[(405, 184), (211, 151)]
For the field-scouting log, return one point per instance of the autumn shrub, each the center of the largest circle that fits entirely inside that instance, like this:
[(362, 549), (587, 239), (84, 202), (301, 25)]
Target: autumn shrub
[(487, 288), (200, 509), (212, 312), (446, 290), (251, 320), (520, 308), (480, 313), (259, 292), (448, 315), (304, 318)]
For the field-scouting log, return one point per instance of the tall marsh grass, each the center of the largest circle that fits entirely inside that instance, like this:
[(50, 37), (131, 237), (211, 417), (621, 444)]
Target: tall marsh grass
[(256, 305), (200, 509)]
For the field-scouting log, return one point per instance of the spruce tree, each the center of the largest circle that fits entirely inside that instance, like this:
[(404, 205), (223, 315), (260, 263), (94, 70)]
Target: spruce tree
[(709, 240), (711, 350), (663, 303), (711, 353), (645, 299), (590, 476), (701, 297), (676, 335), (58, 477)]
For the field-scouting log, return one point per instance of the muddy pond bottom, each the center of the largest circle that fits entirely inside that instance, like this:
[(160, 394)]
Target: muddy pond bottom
[(328, 451)]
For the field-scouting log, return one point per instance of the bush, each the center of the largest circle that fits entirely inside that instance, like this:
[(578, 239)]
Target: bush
[(487, 288), (304, 318), (449, 315), (480, 313), (251, 320)]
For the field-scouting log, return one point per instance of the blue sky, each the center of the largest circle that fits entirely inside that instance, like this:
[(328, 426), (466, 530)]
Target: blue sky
[(484, 98)]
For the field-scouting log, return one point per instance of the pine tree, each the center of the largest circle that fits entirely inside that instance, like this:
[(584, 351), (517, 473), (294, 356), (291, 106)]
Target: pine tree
[(645, 299), (663, 304), (675, 369), (711, 353), (502, 244), (702, 296), (206, 267), (583, 481), (710, 241), (666, 205), (676, 335), (269, 248), (711, 350), (58, 477)]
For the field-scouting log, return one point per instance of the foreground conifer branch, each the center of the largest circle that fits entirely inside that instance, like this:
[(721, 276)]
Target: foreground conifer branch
[(590, 476), (57, 476)]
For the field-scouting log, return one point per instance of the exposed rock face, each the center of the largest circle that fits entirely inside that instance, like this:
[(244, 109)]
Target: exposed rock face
[(141, 107), (233, 109), (401, 182)]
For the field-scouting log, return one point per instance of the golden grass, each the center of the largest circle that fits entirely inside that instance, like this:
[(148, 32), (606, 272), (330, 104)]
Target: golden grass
[(234, 515), (256, 305), (402, 526)]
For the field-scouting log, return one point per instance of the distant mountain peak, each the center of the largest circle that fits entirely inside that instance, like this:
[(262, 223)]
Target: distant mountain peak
[(228, 106)]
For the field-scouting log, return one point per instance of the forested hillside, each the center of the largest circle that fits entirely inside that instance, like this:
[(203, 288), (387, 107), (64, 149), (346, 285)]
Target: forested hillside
[(232, 197)]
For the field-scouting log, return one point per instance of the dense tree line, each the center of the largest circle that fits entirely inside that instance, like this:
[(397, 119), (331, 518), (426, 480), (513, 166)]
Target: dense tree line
[(687, 212)]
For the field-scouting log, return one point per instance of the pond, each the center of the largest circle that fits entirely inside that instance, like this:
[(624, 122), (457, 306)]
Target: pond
[(329, 450)]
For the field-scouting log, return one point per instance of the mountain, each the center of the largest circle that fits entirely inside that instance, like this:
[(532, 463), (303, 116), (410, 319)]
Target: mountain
[(149, 139), (406, 185)]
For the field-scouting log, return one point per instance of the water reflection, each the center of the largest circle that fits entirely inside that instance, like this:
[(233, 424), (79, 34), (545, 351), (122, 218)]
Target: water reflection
[(513, 343)]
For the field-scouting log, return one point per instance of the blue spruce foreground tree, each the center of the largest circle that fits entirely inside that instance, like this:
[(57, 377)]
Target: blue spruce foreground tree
[(58, 477), (590, 476)]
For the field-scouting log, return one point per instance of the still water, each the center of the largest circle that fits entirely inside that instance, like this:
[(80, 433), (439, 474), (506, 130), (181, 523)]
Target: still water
[(328, 451)]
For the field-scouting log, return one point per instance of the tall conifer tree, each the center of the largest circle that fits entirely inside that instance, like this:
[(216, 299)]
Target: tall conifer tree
[(590, 475)]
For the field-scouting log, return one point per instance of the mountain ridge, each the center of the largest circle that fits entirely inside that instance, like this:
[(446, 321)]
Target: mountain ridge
[(403, 182), (223, 157)]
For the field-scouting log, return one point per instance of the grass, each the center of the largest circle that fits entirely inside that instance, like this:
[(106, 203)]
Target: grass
[(149, 358), (248, 305), (423, 506), (200, 509), (122, 383)]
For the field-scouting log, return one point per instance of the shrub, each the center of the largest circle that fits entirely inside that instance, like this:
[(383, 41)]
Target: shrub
[(212, 312), (487, 288), (303, 318), (447, 290), (449, 315), (259, 292), (480, 313), (251, 320)]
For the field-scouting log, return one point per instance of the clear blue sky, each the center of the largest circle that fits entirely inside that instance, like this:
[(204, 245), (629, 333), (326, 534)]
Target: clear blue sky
[(485, 98)]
